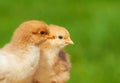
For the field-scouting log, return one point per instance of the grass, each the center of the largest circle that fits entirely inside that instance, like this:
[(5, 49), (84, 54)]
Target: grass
[(94, 27)]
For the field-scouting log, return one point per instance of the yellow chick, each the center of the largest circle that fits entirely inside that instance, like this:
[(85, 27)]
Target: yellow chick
[(19, 59), (54, 64)]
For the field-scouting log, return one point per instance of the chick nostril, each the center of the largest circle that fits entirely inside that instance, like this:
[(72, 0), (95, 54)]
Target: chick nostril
[(53, 37)]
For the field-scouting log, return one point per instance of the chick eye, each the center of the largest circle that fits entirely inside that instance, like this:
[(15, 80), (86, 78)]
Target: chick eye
[(42, 32), (60, 37)]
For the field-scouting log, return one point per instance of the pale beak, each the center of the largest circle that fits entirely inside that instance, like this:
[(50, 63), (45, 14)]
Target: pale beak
[(50, 37), (69, 41)]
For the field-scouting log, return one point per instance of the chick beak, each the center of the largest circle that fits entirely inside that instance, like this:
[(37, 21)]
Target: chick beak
[(50, 37), (69, 41)]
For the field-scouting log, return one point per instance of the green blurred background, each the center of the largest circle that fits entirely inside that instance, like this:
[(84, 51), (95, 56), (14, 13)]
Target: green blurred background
[(94, 26)]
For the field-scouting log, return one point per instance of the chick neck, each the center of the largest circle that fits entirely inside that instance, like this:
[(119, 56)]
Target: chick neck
[(49, 53), (48, 47)]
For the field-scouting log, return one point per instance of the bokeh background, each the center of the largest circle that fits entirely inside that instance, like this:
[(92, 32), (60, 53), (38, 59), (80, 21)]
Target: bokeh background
[(94, 26)]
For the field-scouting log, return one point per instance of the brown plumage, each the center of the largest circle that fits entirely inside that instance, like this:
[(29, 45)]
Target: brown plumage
[(62, 67), (54, 64)]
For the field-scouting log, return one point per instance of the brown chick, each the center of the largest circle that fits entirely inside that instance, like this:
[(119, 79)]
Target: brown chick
[(19, 59), (54, 64)]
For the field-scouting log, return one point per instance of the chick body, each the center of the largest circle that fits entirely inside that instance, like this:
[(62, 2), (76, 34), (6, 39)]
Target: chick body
[(54, 64), (19, 58)]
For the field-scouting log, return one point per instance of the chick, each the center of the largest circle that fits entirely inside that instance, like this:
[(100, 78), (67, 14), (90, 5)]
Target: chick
[(20, 57), (54, 64)]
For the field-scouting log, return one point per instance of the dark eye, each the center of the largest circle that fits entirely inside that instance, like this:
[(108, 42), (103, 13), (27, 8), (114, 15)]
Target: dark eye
[(42, 32), (60, 37)]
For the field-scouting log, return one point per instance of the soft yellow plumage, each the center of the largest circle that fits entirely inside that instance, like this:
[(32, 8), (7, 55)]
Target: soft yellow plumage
[(54, 65)]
